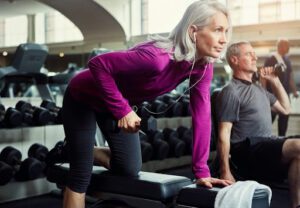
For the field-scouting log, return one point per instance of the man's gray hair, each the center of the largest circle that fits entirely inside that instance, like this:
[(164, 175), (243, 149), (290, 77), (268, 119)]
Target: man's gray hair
[(233, 49)]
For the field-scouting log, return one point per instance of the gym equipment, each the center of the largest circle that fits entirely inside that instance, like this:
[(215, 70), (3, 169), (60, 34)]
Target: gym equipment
[(58, 154), (142, 112), (25, 68), (185, 101), (158, 107), (59, 82), (193, 196), (177, 146), (55, 112), (186, 135), (10, 118), (146, 147), (6, 173), (39, 152), (160, 147), (146, 125), (28, 169), (176, 107), (33, 115), (147, 190)]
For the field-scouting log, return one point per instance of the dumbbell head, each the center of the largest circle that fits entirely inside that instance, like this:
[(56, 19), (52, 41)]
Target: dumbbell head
[(186, 107), (41, 116), (38, 151), (149, 124), (177, 147), (13, 117), (23, 106), (146, 148), (142, 112), (58, 154), (158, 106), (48, 104), (6, 173), (11, 156), (2, 109), (160, 147), (186, 135), (29, 169)]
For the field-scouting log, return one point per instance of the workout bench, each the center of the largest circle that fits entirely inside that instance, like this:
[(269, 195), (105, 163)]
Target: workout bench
[(148, 190)]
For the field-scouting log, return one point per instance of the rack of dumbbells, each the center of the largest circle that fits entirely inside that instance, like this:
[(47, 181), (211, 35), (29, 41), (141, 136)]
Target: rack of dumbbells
[(169, 144), (27, 129)]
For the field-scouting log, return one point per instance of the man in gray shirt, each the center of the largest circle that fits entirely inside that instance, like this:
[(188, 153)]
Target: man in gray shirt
[(245, 125)]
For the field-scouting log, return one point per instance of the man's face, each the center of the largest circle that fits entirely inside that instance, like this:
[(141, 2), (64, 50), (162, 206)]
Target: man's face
[(246, 61), (283, 48)]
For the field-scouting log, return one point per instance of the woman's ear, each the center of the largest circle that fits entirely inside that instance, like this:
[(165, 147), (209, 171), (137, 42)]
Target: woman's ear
[(192, 32)]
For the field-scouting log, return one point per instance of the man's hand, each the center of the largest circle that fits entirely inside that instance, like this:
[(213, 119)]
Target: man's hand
[(130, 123), (268, 74), (210, 182)]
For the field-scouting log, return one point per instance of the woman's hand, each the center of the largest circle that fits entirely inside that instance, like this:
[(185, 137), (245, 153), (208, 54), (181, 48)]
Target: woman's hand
[(227, 176), (210, 182), (130, 123)]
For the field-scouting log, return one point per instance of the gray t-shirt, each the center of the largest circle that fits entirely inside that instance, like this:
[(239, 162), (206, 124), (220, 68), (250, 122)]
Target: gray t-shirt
[(248, 107)]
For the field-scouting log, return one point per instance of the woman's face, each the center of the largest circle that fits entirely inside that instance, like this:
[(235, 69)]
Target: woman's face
[(211, 39)]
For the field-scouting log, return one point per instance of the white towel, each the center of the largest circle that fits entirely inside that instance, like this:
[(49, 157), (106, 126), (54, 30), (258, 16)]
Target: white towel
[(240, 194), (279, 60)]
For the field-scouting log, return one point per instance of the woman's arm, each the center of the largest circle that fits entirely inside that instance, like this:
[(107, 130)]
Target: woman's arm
[(106, 67), (201, 121)]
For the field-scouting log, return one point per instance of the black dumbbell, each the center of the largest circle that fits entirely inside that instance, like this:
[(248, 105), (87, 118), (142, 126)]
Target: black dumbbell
[(55, 112), (58, 154), (6, 173), (146, 147), (159, 108), (111, 125), (177, 146), (28, 169), (39, 152), (33, 115), (143, 110), (175, 107), (185, 101), (10, 118), (160, 147), (186, 135)]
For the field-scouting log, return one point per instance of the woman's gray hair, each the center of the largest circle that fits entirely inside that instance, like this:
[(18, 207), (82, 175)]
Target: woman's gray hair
[(234, 50), (179, 41)]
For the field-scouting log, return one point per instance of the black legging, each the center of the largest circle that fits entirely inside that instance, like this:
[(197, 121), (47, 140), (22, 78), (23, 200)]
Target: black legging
[(79, 123)]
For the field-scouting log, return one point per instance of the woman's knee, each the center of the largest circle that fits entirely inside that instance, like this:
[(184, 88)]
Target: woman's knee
[(129, 169)]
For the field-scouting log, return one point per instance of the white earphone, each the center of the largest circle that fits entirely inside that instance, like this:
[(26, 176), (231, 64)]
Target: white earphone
[(194, 37)]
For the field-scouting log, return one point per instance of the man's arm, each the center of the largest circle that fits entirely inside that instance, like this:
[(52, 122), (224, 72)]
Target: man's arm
[(283, 104), (224, 149)]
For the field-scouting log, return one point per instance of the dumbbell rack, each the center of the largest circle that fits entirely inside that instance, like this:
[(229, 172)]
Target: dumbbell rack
[(20, 190)]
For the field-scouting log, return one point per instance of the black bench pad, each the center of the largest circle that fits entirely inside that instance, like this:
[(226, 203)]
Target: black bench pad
[(154, 186)]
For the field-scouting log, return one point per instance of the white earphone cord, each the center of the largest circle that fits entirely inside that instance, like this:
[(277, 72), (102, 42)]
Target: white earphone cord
[(176, 101)]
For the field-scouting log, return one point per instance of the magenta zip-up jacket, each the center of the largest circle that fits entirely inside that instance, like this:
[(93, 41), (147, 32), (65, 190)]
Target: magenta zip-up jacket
[(115, 81)]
